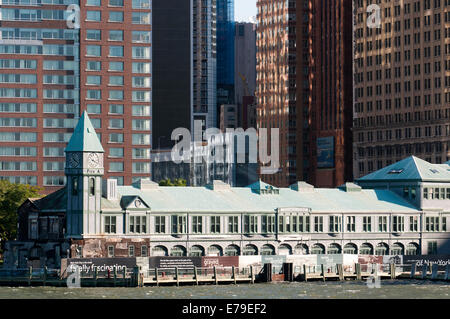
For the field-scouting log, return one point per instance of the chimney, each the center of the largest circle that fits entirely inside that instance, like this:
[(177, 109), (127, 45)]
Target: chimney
[(110, 189)]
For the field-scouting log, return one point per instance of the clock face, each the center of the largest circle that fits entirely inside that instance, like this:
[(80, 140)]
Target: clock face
[(93, 160), (74, 160), (137, 203)]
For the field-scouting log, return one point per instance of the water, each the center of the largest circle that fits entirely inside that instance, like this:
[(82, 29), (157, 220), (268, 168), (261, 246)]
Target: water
[(402, 289)]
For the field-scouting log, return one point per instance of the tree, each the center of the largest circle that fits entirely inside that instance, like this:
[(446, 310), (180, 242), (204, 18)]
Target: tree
[(11, 197), (178, 182)]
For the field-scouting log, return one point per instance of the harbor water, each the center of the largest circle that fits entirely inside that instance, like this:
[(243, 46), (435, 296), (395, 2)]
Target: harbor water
[(399, 289)]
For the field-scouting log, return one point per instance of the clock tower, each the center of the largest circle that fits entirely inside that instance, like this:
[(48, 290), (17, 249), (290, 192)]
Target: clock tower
[(84, 171)]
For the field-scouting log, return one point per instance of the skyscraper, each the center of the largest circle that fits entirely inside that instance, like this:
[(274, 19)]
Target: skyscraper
[(402, 83), (225, 53), (52, 69), (282, 74), (204, 46), (330, 68)]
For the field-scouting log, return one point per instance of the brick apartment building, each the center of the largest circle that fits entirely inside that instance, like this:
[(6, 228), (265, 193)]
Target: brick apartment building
[(51, 71)]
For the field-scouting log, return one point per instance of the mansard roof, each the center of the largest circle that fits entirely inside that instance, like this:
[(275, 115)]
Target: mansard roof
[(84, 137), (410, 169)]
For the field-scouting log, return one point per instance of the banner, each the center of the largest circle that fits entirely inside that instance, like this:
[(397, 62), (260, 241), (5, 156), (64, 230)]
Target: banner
[(103, 266), (441, 260), (226, 261), (173, 262)]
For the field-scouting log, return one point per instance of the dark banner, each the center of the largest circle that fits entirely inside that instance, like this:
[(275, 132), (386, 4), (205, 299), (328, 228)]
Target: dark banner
[(420, 260), (102, 265), (172, 262), (226, 261)]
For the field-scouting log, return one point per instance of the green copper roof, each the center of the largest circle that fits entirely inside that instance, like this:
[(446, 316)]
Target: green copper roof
[(411, 168), (244, 199), (84, 138)]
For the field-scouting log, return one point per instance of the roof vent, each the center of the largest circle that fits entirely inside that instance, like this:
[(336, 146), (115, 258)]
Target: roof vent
[(434, 171), (218, 185), (146, 184), (396, 171), (302, 187), (110, 189), (350, 187)]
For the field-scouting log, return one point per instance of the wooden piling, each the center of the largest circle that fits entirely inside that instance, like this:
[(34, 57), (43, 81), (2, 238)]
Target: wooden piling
[(447, 272), (196, 275), (323, 271), (115, 276), (30, 275), (233, 270), (215, 275), (358, 271), (392, 270), (434, 271), (304, 272), (156, 277), (424, 271), (413, 270), (176, 275), (45, 276), (251, 274)]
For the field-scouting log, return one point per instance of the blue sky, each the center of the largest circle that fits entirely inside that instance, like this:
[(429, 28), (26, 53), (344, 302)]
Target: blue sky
[(244, 9)]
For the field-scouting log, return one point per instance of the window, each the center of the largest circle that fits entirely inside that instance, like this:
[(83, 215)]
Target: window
[(398, 223), (115, 35), (116, 3), (93, 80), (351, 224), (160, 224), (367, 224), (432, 248), (144, 251), (215, 224), (432, 224), (74, 186), (197, 224), (91, 186), (178, 224), (93, 66), (116, 66), (116, 152), (141, 96), (96, 3), (141, 36), (110, 251), (93, 35), (116, 166), (267, 224), (141, 53), (141, 4), (318, 224), (94, 108), (141, 17), (138, 224), (143, 110), (131, 251), (116, 80), (382, 224), (335, 224), (233, 224), (93, 15), (110, 224), (413, 223), (250, 224), (116, 95), (116, 51), (115, 16)]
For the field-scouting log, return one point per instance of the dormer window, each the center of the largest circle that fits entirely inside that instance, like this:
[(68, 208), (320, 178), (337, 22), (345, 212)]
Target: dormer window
[(396, 171)]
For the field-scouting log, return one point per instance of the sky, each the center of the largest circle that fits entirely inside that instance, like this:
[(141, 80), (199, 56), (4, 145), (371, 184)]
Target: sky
[(244, 10)]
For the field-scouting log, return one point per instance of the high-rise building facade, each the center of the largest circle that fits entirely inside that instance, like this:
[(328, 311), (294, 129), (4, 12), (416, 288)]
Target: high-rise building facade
[(225, 53), (402, 82), (304, 88), (52, 69), (245, 69), (276, 94), (330, 70), (204, 46)]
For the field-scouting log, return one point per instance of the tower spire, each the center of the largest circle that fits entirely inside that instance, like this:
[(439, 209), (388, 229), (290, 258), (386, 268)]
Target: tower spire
[(84, 138)]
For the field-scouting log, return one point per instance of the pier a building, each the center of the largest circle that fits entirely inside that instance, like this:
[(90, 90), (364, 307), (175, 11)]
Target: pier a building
[(401, 209)]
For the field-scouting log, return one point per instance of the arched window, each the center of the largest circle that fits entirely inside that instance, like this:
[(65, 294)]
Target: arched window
[(74, 186), (334, 249), (301, 249), (317, 249), (350, 249), (267, 250), (284, 249), (197, 251), (232, 250), (412, 249), (397, 249), (159, 251), (178, 251), (214, 250), (250, 250), (382, 249), (91, 186), (366, 249)]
